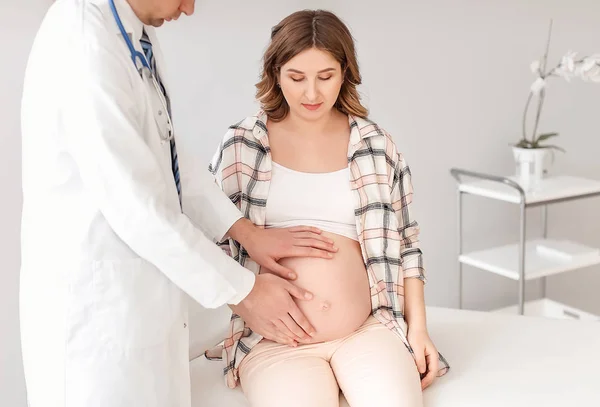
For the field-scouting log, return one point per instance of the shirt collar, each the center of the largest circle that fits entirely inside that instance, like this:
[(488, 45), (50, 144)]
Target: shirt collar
[(132, 24), (362, 128)]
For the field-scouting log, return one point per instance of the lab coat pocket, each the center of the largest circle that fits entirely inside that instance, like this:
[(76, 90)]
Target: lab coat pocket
[(133, 304)]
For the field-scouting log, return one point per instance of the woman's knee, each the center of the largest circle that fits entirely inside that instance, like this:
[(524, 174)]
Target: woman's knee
[(376, 368), (294, 382)]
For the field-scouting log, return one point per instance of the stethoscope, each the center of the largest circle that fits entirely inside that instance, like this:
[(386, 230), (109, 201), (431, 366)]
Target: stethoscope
[(144, 70)]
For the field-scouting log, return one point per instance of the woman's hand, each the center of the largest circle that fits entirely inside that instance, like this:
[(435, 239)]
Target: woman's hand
[(267, 246), (426, 355)]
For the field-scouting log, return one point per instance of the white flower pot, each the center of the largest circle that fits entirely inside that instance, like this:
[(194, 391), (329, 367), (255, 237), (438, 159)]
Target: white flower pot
[(531, 166)]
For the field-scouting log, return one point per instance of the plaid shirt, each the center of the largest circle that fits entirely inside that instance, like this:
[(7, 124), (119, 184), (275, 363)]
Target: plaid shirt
[(388, 235)]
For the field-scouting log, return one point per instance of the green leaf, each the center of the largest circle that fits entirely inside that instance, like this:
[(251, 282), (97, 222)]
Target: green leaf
[(523, 144), (553, 147), (546, 136)]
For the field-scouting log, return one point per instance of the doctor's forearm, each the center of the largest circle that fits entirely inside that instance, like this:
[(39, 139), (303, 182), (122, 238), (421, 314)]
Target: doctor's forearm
[(211, 210), (242, 231), (414, 304)]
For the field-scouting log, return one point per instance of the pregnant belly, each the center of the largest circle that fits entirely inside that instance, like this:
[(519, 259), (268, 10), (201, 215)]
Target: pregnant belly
[(340, 287)]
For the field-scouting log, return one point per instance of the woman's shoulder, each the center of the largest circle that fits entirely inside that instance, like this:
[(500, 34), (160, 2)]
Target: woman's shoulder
[(374, 135), (249, 128), (242, 136)]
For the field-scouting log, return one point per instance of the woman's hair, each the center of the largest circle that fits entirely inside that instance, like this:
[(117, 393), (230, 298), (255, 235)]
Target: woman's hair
[(300, 31)]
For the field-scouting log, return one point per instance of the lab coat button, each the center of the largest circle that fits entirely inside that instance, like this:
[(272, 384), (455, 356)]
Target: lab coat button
[(160, 112), (184, 325)]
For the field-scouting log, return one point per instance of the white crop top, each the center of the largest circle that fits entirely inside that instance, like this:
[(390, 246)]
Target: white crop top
[(322, 200)]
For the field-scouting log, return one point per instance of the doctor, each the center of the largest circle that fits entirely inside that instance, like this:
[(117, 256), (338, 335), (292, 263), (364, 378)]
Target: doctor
[(113, 233)]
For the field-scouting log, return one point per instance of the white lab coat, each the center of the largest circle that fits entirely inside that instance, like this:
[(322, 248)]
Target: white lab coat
[(107, 255)]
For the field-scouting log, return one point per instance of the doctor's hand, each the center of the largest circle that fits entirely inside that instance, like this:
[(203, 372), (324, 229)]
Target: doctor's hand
[(267, 246), (270, 311)]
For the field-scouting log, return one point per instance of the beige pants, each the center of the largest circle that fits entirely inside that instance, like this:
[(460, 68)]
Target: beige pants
[(371, 366)]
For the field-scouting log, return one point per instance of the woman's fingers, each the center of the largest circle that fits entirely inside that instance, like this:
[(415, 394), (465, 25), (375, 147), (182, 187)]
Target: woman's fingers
[(432, 369), (311, 229), (310, 235), (420, 360), (428, 379), (318, 244), (433, 362), (300, 251)]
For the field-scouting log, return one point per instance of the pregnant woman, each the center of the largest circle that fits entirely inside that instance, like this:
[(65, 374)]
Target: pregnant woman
[(312, 157)]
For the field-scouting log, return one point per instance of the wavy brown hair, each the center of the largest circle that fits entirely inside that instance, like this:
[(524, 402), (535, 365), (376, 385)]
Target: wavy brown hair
[(304, 30)]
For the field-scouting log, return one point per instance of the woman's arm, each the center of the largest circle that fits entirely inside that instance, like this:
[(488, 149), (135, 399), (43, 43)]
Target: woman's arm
[(414, 304), (408, 228), (413, 272)]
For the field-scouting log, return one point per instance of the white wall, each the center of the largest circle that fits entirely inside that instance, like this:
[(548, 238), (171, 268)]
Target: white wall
[(18, 23), (447, 79)]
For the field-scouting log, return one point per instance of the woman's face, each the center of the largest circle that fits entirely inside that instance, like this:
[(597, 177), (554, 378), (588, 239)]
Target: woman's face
[(311, 83)]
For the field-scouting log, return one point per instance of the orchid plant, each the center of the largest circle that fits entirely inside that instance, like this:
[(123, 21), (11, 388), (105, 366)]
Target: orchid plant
[(569, 67)]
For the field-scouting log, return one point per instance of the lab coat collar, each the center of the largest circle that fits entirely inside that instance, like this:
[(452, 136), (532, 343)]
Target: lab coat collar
[(132, 24), (134, 28)]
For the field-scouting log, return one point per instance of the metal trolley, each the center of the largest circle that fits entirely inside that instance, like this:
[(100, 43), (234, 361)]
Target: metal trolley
[(559, 189)]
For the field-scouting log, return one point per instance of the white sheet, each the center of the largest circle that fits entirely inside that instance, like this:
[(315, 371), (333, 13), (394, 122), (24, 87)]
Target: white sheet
[(496, 359)]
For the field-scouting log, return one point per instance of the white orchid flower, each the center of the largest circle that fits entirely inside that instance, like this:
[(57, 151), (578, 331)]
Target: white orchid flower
[(538, 85), (564, 73), (567, 62), (589, 68)]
